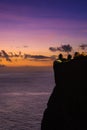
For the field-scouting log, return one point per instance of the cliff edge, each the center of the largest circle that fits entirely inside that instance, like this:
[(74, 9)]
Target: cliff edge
[(67, 105)]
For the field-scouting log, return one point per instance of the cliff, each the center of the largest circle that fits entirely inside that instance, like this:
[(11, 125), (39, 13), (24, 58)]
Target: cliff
[(67, 105)]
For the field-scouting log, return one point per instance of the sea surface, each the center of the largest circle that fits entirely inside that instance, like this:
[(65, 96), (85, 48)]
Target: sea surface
[(24, 92)]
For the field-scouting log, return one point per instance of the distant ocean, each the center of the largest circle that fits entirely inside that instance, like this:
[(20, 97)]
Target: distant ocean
[(24, 93)]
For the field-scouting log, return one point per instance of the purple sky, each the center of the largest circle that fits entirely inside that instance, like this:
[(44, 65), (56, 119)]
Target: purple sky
[(40, 24)]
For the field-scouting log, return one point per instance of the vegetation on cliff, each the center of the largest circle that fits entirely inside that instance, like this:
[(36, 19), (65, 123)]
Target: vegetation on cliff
[(67, 105)]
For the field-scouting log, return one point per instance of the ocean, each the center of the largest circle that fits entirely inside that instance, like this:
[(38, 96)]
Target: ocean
[(24, 93)]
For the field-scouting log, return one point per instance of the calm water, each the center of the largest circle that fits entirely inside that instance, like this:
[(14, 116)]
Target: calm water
[(24, 93)]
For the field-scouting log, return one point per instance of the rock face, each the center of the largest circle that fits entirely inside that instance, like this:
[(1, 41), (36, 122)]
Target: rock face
[(67, 105)]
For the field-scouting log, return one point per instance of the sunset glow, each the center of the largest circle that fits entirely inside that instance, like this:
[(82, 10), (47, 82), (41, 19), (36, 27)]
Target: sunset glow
[(32, 27)]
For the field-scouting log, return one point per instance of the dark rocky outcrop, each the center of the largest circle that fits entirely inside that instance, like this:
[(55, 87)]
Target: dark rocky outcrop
[(67, 105)]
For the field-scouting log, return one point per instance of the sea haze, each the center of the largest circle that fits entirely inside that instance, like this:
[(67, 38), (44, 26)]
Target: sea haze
[(24, 92)]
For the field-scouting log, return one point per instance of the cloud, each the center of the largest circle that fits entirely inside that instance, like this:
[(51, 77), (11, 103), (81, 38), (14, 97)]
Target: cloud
[(11, 54), (62, 48), (5, 55), (39, 57), (25, 46), (66, 48), (53, 49), (0, 54), (83, 46), (26, 56)]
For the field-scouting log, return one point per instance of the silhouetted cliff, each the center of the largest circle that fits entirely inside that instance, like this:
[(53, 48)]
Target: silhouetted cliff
[(67, 105)]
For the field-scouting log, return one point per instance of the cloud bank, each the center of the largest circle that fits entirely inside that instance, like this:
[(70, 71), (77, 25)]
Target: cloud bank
[(62, 48), (9, 56)]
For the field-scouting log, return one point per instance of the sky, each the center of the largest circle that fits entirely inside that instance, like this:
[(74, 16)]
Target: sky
[(28, 28)]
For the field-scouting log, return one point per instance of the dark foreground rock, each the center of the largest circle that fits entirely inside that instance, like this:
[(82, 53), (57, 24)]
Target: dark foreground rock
[(67, 105)]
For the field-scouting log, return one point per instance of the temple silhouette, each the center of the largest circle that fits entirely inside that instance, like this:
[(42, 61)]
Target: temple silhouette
[(67, 105)]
